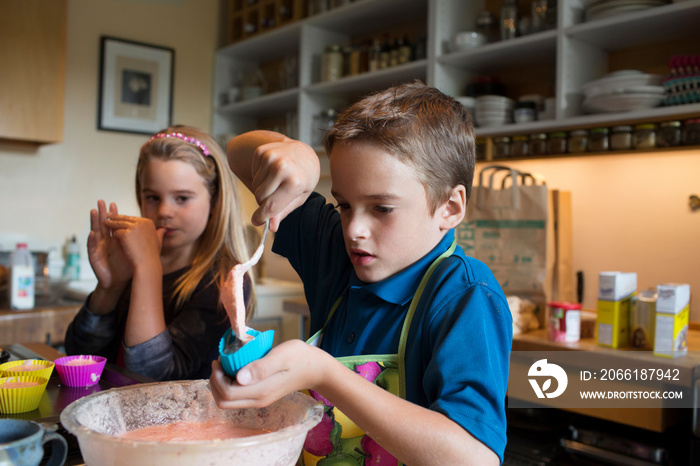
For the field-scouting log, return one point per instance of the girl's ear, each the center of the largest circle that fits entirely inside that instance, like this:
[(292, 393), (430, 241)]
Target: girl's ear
[(453, 210)]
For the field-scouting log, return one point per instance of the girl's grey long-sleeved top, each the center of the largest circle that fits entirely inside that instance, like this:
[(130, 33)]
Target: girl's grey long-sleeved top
[(184, 350)]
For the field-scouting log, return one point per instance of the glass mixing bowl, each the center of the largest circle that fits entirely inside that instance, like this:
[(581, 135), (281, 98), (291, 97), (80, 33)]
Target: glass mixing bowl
[(97, 420)]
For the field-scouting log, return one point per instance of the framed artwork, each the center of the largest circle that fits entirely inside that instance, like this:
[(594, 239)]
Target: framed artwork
[(136, 86)]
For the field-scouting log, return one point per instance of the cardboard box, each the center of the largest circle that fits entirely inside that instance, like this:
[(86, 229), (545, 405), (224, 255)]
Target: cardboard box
[(615, 290), (672, 317), (615, 286), (613, 325)]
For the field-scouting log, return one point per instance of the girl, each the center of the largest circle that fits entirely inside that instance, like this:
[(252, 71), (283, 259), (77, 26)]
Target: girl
[(156, 309)]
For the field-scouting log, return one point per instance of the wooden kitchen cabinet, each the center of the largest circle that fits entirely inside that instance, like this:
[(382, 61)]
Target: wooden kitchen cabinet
[(32, 75), (555, 62)]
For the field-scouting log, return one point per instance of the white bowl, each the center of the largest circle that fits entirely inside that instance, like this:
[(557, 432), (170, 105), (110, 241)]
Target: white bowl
[(620, 82), (467, 40), (621, 102)]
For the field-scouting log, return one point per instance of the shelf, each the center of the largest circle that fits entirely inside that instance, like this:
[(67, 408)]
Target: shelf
[(530, 49), (640, 28), (365, 16), (266, 105), (376, 80), (556, 62), (589, 121)]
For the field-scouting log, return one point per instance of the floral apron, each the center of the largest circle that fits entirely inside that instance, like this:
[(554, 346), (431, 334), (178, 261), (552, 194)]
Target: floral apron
[(337, 440)]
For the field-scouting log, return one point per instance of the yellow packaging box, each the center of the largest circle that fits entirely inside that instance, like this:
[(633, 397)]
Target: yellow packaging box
[(613, 325), (672, 316)]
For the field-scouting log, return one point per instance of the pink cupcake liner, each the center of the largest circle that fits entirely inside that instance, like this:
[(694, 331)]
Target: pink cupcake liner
[(6, 369), (21, 399), (80, 375)]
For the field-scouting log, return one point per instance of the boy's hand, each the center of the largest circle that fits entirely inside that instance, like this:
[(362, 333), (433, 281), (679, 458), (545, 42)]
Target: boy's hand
[(280, 172), (289, 367)]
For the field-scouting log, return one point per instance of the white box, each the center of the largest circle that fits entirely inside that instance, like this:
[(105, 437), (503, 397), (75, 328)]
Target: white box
[(672, 298), (616, 286)]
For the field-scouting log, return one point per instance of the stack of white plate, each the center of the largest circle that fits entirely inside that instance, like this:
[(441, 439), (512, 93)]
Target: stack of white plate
[(494, 110), (597, 9), (623, 91)]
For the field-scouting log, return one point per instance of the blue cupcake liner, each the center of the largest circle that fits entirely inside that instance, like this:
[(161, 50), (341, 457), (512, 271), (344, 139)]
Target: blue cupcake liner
[(258, 347)]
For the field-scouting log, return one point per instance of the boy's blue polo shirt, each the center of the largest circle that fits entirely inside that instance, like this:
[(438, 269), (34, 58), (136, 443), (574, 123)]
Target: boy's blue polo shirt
[(458, 348)]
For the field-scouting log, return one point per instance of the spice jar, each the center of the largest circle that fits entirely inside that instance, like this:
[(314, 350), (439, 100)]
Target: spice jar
[(556, 144), (621, 137), (332, 63), (669, 134), (501, 147), (691, 132), (599, 140), (538, 144), (578, 141), (520, 146), (644, 136)]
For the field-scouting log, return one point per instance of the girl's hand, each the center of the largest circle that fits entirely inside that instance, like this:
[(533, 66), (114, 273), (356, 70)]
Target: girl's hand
[(138, 239), (106, 257), (289, 367)]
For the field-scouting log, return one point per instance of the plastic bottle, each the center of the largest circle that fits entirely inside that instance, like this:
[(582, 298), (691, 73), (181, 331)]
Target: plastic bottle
[(21, 278), (72, 270)]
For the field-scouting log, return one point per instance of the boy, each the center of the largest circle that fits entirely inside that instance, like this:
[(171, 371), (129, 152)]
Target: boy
[(385, 284)]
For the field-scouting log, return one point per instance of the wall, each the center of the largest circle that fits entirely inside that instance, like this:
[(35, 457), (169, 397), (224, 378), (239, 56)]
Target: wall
[(631, 213), (46, 192)]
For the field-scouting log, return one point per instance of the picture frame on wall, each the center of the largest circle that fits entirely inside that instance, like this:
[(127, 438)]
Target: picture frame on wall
[(136, 86)]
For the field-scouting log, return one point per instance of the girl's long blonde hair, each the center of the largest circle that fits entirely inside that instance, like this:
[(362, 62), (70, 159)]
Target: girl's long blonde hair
[(222, 244)]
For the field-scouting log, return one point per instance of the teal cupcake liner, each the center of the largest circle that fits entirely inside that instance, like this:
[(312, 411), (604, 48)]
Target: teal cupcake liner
[(258, 347)]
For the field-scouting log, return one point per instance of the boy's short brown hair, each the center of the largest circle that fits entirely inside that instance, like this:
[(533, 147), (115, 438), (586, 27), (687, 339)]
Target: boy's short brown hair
[(424, 128)]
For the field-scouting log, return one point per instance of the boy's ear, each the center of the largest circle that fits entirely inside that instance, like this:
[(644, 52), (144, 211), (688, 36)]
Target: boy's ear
[(452, 212)]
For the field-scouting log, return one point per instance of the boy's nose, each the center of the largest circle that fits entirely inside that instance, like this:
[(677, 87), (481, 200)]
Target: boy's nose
[(356, 227)]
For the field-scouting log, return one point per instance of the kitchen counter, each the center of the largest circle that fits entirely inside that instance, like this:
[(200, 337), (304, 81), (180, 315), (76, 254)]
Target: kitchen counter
[(654, 419), (45, 323)]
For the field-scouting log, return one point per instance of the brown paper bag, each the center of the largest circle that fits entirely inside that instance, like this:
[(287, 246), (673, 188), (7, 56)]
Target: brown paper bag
[(522, 232)]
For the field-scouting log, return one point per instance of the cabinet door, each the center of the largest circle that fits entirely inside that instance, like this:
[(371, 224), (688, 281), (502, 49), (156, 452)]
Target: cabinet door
[(33, 53)]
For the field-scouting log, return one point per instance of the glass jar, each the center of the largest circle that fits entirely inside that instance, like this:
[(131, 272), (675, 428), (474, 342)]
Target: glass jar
[(556, 144), (538, 144), (501, 147), (644, 136), (669, 134), (600, 141), (332, 63), (621, 138), (691, 132), (480, 147), (520, 146), (578, 141)]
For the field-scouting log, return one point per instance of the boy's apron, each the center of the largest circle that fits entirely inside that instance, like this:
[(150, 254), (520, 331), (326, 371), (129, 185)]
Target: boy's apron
[(338, 440)]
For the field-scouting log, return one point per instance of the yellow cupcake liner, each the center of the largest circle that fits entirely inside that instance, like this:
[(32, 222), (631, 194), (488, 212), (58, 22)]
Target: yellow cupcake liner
[(5, 369), (21, 399)]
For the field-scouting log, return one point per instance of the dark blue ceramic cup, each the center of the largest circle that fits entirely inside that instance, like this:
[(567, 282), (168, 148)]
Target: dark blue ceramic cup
[(22, 444)]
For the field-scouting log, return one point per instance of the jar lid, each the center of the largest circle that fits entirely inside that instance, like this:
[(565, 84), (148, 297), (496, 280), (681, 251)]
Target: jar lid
[(333, 48), (666, 124), (622, 129), (579, 132), (538, 136), (693, 121), (599, 130), (569, 306), (557, 134), (645, 126), (502, 139), (520, 138)]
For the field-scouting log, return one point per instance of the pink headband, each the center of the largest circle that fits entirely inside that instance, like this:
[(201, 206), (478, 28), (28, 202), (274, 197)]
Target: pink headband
[(189, 139)]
